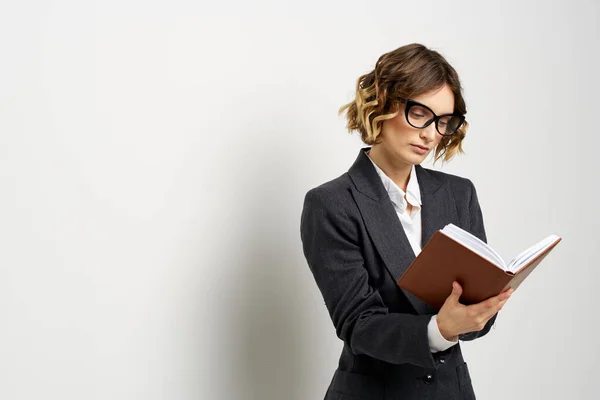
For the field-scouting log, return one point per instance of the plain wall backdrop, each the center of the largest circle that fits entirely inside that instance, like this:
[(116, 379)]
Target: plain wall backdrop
[(154, 158)]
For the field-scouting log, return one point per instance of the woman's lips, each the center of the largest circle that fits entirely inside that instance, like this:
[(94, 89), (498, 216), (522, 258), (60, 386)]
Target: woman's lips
[(419, 149)]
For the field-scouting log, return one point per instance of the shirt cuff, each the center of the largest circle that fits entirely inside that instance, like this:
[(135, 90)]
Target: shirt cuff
[(437, 342)]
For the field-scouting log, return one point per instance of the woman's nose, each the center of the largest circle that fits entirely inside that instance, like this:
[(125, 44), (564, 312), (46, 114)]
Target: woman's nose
[(429, 132)]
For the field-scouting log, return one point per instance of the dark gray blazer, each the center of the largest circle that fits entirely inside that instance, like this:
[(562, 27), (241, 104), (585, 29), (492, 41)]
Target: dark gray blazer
[(357, 250)]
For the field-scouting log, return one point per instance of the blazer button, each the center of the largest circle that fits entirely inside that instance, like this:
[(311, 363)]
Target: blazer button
[(428, 378)]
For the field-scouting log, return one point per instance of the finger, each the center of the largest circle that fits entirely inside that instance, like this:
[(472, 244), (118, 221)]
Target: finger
[(489, 306), (482, 316), (456, 292), (505, 295), (489, 313), (501, 297)]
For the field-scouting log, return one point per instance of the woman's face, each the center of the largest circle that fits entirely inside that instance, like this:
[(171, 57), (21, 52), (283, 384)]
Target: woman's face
[(401, 140)]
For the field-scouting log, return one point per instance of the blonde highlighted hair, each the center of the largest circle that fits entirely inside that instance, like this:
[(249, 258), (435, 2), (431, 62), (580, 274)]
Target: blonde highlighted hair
[(401, 74)]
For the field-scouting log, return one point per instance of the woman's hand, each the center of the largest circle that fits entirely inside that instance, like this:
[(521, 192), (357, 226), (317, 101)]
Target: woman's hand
[(455, 318)]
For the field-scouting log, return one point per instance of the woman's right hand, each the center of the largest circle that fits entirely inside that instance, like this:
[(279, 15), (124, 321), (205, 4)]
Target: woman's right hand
[(455, 318)]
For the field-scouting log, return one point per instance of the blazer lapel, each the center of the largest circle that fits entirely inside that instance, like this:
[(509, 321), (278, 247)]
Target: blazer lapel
[(383, 223), (438, 207)]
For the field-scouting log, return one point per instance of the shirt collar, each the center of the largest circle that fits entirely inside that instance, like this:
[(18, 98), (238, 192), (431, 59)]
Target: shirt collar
[(413, 194)]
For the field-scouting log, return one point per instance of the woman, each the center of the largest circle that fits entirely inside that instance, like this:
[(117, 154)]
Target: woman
[(362, 230)]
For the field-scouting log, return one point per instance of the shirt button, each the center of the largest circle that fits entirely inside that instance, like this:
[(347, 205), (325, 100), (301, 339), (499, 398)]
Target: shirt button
[(442, 360), (428, 378)]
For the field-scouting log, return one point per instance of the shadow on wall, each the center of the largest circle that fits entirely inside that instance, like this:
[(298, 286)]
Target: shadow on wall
[(270, 363)]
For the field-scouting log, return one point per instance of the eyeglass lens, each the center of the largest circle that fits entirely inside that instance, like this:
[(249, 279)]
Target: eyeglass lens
[(419, 117)]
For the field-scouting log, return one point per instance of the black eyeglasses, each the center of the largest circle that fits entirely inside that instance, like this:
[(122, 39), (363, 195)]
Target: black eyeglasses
[(420, 116)]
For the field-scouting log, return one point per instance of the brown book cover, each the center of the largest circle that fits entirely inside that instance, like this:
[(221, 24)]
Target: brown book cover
[(444, 260)]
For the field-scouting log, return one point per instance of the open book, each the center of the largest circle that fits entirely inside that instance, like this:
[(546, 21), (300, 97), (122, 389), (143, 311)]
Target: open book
[(455, 254)]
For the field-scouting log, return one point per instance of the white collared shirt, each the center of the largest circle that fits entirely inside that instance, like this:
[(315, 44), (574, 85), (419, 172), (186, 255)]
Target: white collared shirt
[(412, 227)]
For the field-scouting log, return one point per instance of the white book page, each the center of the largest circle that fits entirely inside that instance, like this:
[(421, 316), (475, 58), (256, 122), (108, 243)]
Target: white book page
[(478, 246), (474, 243), (527, 254)]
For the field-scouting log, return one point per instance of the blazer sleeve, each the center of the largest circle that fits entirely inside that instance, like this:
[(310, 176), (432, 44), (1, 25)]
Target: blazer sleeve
[(331, 245), (477, 229)]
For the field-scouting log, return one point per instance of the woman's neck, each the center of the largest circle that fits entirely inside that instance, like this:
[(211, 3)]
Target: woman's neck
[(399, 172)]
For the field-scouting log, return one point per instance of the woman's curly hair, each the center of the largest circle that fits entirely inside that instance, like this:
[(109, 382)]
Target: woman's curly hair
[(401, 74)]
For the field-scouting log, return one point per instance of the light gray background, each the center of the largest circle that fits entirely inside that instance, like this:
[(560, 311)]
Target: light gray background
[(154, 159)]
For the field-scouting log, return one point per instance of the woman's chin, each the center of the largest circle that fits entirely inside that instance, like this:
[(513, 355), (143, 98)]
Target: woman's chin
[(408, 156), (413, 158)]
